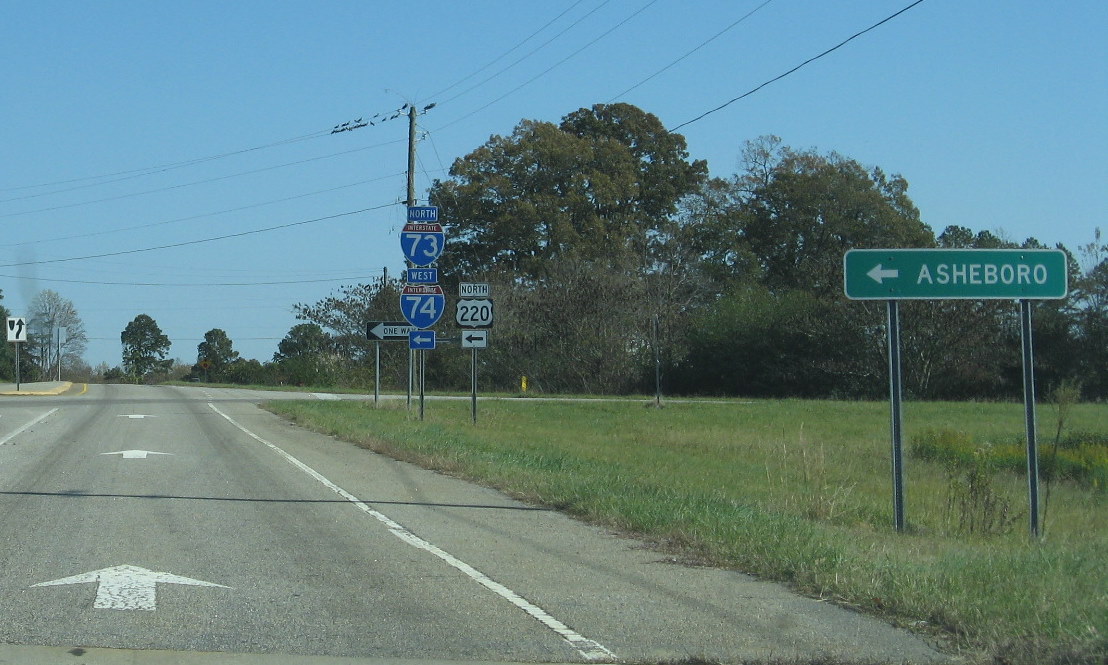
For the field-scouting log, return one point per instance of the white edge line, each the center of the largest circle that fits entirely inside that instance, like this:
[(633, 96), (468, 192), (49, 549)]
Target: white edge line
[(26, 427), (589, 649)]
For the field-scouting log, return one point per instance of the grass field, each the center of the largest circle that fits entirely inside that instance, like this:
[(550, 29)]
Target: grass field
[(799, 492)]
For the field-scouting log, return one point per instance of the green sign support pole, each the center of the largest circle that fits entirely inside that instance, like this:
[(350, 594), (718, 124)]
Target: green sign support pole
[(895, 393), (1029, 408)]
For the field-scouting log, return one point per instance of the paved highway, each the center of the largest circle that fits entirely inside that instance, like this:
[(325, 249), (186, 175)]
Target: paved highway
[(155, 519)]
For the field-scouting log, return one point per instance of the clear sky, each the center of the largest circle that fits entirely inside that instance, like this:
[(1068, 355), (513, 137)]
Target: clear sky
[(128, 126)]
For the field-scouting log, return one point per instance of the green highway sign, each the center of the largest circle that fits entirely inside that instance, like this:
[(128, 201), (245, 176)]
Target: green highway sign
[(967, 274)]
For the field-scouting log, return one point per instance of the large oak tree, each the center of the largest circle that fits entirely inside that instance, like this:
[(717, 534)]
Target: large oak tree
[(604, 181)]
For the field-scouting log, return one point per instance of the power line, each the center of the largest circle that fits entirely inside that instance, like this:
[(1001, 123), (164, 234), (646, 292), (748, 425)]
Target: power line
[(202, 215), (781, 76), (197, 242), (161, 168), (552, 67), (530, 53), (505, 53), (694, 50), (195, 284), (150, 170), (200, 182)]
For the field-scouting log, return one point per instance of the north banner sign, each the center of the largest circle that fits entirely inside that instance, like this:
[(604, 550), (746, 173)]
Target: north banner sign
[(962, 274), (423, 213)]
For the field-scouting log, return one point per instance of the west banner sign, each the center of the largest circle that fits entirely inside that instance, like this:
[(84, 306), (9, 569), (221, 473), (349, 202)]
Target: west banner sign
[(963, 274)]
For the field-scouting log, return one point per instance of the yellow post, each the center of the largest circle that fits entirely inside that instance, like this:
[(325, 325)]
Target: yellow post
[(523, 384)]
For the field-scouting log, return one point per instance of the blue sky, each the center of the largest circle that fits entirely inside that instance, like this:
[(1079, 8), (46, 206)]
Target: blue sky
[(134, 125)]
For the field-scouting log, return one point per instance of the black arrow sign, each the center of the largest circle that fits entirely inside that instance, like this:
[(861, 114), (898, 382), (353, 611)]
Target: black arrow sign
[(388, 330), (16, 325)]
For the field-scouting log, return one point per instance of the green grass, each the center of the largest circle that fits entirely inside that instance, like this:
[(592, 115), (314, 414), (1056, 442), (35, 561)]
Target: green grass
[(795, 491)]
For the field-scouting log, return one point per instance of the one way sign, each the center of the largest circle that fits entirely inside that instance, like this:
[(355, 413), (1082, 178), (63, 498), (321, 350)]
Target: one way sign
[(17, 329), (378, 331)]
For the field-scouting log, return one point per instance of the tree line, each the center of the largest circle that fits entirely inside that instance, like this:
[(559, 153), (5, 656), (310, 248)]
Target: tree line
[(611, 252), (613, 255)]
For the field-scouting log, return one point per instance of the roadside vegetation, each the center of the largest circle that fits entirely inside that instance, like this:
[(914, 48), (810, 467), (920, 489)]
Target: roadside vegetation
[(799, 491)]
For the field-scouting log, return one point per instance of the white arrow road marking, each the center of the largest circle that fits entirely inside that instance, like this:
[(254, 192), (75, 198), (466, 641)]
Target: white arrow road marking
[(127, 587), (134, 416), (590, 650), (879, 274), (27, 426), (135, 454)]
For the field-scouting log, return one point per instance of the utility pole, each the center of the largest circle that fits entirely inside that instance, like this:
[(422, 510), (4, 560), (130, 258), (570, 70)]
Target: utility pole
[(411, 202), (411, 155)]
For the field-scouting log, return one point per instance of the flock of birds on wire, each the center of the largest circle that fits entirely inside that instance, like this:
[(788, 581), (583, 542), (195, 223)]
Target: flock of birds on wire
[(377, 118)]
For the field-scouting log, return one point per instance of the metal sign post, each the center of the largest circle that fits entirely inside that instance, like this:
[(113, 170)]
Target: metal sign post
[(895, 393), (1029, 412), (473, 384)]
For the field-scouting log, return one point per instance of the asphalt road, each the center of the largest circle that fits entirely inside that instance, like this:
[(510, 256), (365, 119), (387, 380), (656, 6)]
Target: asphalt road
[(186, 520)]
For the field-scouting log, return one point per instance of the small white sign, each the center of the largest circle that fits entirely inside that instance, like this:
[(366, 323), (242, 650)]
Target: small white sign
[(17, 329), (474, 290), (475, 339)]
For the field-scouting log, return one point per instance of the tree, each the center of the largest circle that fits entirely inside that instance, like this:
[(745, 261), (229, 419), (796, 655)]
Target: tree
[(303, 356), (49, 312), (1090, 295), (303, 339), (602, 182), (215, 354), (7, 357), (350, 353), (145, 347), (801, 211)]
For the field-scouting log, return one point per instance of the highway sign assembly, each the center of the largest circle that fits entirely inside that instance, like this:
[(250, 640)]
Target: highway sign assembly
[(474, 313), (422, 304), (380, 331), (966, 274)]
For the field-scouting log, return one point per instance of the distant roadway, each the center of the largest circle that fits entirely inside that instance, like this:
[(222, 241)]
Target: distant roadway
[(138, 520)]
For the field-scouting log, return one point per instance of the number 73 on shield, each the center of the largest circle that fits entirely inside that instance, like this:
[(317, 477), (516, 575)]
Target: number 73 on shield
[(421, 248)]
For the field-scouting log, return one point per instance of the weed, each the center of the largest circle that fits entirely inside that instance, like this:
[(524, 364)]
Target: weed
[(973, 504)]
